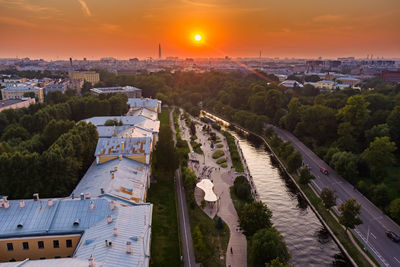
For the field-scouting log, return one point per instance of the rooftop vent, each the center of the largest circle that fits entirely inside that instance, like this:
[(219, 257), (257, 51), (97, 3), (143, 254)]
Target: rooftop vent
[(87, 196), (36, 197), (6, 204), (109, 219), (73, 196), (112, 175), (108, 243), (76, 222), (91, 261), (20, 225), (129, 247), (116, 168), (82, 196), (91, 205), (50, 203), (22, 203), (115, 232), (101, 190)]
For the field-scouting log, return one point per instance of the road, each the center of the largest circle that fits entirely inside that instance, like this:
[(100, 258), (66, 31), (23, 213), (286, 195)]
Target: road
[(186, 236), (372, 232)]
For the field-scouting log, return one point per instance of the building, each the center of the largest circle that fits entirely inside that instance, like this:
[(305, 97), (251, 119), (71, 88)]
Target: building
[(391, 76), (292, 84), (348, 80), (80, 228), (324, 84), (16, 103), (148, 103), (129, 91), (18, 91), (88, 76), (52, 87)]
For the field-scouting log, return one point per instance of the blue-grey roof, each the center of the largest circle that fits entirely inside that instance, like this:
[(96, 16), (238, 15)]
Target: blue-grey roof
[(129, 183), (143, 103), (123, 131), (139, 121), (37, 218), (133, 224), (116, 89), (21, 87), (131, 146), (65, 262)]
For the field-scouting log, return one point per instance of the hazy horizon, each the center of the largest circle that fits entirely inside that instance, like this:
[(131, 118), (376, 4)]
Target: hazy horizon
[(123, 29)]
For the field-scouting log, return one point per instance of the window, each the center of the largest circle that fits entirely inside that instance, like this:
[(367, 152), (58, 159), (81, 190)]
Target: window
[(10, 246), (56, 244), (69, 243), (25, 245), (40, 244)]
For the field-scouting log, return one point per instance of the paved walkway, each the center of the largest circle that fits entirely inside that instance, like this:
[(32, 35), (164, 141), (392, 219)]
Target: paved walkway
[(223, 179)]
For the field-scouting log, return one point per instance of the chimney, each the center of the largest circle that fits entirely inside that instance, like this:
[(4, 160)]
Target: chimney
[(87, 196), (72, 195), (91, 261), (50, 202), (129, 247), (6, 204), (82, 196), (115, 168), (112, 204), (122, 146), (36, 197), (112, 175), (115, 232), (109, 219), (102, 191), (22, 203), (91, 205)]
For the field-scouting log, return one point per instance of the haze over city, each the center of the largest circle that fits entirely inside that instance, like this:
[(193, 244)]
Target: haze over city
[(125, 29)]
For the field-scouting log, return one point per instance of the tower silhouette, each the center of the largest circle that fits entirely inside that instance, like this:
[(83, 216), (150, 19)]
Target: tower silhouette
[(159, 51)]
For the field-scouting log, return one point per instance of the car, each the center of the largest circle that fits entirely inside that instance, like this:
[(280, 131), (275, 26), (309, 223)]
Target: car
[(393, 236), (324, 171)]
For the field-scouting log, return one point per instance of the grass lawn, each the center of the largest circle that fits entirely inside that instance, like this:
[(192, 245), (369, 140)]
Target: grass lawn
[(216, 240), (165, 246)]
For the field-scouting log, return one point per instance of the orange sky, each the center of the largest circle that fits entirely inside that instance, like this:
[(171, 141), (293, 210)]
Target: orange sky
[(132, 28)]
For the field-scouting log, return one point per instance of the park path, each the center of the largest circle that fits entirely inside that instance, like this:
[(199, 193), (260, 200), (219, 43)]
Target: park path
[(223, 179)]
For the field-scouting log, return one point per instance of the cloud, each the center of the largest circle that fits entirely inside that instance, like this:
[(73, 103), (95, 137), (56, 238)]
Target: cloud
[(328, 18), (23, 4), (18, 22), (85, 8)]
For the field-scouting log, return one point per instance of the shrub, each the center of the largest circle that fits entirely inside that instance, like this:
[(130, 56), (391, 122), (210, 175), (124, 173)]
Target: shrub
[(221, 160), (218, 154), (224, 165)]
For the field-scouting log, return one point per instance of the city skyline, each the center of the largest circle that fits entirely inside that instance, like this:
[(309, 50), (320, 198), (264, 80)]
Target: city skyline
[(95, 29)]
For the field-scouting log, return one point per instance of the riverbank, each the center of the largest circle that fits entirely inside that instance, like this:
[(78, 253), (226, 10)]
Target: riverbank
[(336, 228)]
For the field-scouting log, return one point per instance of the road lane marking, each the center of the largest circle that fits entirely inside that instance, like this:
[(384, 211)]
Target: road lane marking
[(373, 235), (372, 248)]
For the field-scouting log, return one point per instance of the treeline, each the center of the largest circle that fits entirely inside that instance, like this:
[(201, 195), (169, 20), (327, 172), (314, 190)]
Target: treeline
[(356, 132), (42, 149), (32, 74)]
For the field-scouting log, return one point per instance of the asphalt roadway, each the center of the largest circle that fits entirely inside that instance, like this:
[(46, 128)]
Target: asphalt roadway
[(372, 232), (186, 236)]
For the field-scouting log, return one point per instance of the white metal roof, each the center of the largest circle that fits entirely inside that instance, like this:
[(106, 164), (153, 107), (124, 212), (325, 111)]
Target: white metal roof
[(207, 186)]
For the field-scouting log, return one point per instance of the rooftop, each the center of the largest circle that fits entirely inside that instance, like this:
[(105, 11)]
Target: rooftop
[(39, 218), (21, 87), (9, 102), (139, 121), (207, 186), (143, 102), (118, 89), (129, 181), (152, 115), (123, 131)]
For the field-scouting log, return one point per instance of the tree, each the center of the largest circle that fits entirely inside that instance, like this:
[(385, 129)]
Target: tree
[(305, 176), (379, 155), (381, 196), (328, 197), (294, 161), (242, 188), (290, 120), (15, 131), (273, 102), (379, 130), (86, 87), (394, 209), (255, 216), (267, 245), (345, 163), (350, 211), (356, 113), (276, 263), (393, 122)]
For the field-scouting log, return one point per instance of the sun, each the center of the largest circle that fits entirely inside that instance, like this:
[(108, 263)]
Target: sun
[(197, 37)]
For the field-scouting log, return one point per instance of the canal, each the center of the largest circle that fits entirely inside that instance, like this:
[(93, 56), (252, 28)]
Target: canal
[(309, 243)]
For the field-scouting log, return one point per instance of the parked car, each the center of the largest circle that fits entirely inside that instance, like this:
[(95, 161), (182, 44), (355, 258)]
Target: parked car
[(323, 170), (393, 236)]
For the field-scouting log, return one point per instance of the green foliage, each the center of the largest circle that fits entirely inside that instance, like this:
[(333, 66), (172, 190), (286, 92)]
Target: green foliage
[(379, 155), (16, 132), (254, 216), (350, 211), (164, 157), (305, 176), (294, 161), (267, 245), (221, 160), (393, 122), (233, 150), (113, 122), (217, 154), (328, 197), (242, 188), (224, 165), (276, 263), (346, 164), (381, 196), (394, 209)]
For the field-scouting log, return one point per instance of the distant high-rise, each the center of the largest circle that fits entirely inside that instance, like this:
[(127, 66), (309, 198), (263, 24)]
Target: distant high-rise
[(159, 51), (70, 61)]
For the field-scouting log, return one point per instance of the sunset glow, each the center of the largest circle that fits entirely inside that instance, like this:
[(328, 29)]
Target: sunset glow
[(126, 29), (197, 37)]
